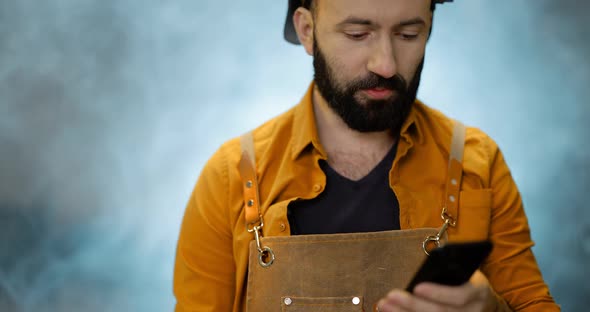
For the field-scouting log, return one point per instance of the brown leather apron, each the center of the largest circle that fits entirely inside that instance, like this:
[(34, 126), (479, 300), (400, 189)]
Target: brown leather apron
[(336, 272)]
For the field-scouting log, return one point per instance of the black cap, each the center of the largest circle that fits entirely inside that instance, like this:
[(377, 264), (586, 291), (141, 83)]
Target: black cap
[(289, 32)]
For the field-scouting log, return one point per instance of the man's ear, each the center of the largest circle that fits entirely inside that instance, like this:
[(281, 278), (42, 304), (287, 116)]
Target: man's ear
[(303, 22)]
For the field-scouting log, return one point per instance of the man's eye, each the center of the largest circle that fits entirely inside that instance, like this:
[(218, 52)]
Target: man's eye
[(356, 36), (408, 36)]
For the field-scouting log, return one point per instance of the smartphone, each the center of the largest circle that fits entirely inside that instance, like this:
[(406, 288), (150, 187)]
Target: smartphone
[(452, 265)]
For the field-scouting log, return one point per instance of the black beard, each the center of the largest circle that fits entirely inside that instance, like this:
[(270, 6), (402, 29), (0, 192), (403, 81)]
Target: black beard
[(374, 115)]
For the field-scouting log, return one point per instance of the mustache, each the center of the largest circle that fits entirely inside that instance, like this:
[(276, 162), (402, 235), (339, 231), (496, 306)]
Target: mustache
[(373, 81)]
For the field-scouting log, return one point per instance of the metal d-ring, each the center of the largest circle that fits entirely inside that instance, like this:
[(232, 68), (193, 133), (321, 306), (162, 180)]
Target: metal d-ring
[(267, 253), (436, 238), (266, 256), (430, 239)]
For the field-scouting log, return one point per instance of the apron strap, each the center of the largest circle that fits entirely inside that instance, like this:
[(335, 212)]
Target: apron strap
[(247, 169), (450, 209), (454, 174), (254, 221)]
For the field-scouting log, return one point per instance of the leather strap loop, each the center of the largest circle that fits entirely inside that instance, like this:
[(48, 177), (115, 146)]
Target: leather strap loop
[(454, 174), (247, 169)]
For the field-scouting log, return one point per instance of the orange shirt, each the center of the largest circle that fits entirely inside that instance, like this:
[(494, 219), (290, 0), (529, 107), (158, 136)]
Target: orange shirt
[(212, 253)]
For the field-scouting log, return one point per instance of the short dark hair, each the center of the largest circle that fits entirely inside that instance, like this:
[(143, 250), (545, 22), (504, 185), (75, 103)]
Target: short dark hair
[(306, 4), (309, 4)]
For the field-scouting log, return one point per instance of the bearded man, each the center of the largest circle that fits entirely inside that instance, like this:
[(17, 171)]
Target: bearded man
[(327, 206)]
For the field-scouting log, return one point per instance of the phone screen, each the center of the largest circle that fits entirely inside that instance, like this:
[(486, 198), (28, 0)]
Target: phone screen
[(452, 264)]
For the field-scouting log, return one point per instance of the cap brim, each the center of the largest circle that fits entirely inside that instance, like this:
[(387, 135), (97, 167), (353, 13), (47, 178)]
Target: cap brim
[(289, 32)]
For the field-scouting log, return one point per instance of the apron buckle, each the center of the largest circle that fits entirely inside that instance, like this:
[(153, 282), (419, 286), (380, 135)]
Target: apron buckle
[(266, 256), (435, 239)]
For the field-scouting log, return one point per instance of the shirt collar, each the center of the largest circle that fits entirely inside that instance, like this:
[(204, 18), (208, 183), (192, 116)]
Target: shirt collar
[(305, 132), (412, 128)]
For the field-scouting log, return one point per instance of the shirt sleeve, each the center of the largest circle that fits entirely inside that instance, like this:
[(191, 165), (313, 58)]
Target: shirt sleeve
[(204, 272), (511, 267)]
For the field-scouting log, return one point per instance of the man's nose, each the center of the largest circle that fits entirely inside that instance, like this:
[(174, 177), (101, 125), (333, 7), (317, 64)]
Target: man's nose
[(382, 60)]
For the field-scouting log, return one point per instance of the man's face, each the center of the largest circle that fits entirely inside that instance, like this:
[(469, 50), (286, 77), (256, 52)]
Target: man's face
[(368, 57)]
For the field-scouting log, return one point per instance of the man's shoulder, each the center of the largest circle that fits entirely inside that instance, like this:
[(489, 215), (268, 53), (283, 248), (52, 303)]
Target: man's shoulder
[(278, 128), (272, 132), (480, 148)]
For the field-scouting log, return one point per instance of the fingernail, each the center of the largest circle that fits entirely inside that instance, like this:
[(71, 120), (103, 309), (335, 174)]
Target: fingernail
[(397, 295), (422, 289)]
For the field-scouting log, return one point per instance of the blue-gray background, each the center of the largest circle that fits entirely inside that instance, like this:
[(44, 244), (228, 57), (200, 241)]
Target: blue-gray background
[(109, 109)]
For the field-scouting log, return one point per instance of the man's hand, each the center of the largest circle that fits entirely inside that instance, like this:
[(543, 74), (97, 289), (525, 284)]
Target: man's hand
[(475, 295)]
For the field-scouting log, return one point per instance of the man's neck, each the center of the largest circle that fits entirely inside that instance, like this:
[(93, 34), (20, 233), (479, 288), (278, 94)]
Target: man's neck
[(352, 153)]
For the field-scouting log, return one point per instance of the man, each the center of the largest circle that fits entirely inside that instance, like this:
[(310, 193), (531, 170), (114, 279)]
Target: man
[(358, 154)]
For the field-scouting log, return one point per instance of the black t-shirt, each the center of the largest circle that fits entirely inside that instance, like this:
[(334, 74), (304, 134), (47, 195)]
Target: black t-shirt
[(346, 206)]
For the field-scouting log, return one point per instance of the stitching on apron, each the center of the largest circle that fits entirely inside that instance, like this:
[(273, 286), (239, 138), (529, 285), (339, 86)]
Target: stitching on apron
[(266, 241)]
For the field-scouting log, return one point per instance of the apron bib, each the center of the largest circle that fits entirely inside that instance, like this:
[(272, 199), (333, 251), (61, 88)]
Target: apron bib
[(336, 272)]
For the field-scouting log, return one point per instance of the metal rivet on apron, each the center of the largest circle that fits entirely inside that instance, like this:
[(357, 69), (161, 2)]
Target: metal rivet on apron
[(249, 184), (452, 198), (356, 300), (454, 182), (283, 227), (288, 301), (250, 203), (317, 188)]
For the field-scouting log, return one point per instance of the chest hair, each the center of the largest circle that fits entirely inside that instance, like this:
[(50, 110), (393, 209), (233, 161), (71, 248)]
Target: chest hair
[(354, 166)]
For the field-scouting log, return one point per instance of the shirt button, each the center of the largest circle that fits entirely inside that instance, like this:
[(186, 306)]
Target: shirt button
[(283, 227), (317, 188)]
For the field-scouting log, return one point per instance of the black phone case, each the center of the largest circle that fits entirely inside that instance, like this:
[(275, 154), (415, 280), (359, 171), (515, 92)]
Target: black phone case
[(452, 264)]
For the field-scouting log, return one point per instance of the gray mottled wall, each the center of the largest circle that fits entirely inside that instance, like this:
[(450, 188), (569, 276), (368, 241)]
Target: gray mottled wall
[(108, 110)]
